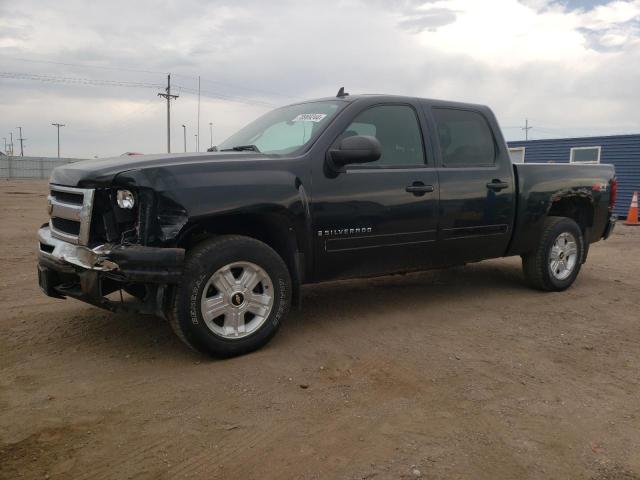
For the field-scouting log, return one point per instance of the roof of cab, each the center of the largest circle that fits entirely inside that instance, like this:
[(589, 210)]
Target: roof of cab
[(397, 98)]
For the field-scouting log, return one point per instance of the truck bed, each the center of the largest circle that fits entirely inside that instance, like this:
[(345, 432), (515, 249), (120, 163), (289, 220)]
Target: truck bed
[(542, 186)]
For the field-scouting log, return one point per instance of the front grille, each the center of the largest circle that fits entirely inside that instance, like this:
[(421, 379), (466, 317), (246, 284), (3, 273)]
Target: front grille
[(70, 227), (70, 211), (68, 197)]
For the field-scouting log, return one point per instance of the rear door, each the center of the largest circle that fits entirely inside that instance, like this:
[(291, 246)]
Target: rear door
[(378, 217), (477, 202)]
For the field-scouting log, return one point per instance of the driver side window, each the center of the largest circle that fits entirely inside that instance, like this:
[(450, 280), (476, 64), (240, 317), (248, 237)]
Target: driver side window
[(397, 129)]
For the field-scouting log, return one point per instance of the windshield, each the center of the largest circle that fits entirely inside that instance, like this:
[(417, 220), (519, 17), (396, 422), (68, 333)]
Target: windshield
[(283, 130)]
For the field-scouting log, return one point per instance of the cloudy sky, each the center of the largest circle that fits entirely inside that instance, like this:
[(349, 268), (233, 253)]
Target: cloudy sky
[(572, 67)]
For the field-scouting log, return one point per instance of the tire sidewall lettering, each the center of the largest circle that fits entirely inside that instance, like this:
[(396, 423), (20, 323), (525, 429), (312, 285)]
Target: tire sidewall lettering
[(282, 302), (194, 300)]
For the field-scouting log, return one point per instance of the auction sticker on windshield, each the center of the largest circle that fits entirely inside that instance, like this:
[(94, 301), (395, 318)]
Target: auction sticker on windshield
[(310, 117)]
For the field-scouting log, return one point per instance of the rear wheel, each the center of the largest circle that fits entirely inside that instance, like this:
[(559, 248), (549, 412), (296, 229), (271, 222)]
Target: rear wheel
[(555, 264), (235, 292)]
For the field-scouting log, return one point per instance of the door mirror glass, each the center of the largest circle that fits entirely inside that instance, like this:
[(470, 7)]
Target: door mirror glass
[(356, 149)]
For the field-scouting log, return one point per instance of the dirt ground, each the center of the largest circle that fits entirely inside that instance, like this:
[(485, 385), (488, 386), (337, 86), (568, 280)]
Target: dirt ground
[(460, 373)]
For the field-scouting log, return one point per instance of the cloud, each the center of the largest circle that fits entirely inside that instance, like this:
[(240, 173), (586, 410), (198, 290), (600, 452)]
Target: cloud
[(612, 26), (564, 66), (428, 20)]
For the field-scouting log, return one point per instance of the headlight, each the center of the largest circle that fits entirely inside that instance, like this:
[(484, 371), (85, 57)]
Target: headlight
[(125, 199)]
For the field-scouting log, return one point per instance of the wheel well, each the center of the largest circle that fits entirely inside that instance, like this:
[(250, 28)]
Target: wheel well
[(273, 229), (578, 209)]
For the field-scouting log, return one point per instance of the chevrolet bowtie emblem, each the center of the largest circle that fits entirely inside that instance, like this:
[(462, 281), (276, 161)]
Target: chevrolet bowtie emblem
[(237, 299)]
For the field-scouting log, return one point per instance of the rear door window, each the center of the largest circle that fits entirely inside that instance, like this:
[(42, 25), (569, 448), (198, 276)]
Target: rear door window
[(465, 138)]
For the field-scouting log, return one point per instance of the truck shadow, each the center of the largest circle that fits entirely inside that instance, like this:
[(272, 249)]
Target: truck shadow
[(413, 291), (148, 338)]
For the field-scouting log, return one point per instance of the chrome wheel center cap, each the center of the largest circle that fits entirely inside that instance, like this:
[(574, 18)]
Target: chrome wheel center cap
[(237, 299)]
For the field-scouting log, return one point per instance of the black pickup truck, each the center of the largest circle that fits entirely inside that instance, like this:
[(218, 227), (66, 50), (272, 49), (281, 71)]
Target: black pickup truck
[(349, 186)]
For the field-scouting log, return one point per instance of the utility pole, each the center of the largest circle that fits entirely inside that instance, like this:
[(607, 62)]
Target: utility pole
[(168, 97), (198, 140), (196, 135), (58, 125), (21, 140), (526, 129), (5, 144), (11, 144), (184, 131), (211, 133)]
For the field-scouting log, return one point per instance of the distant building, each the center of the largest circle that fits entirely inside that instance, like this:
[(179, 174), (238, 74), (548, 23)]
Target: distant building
[(622, 151)]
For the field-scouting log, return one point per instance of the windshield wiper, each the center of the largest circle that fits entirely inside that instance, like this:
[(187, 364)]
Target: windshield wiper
[(242, 148)]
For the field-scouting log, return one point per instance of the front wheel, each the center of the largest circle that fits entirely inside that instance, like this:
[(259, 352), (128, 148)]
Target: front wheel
[(233, 296), (556, 262)]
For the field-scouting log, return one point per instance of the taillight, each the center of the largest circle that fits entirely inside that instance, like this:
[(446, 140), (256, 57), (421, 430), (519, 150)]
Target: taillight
[(614, 193)]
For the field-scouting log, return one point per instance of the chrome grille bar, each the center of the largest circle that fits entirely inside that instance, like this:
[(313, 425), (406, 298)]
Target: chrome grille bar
[(76, 212)]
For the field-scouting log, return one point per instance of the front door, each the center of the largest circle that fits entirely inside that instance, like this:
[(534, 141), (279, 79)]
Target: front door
[(378, 217)]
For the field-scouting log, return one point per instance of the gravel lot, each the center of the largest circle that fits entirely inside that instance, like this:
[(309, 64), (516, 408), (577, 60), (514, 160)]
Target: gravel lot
[(459, 373)]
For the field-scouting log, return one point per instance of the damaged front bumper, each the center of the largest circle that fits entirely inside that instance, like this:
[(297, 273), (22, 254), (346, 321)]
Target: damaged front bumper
[(90, 274)]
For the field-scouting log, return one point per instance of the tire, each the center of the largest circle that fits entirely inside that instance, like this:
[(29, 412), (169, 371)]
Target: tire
[(553, 266), (216, 310)]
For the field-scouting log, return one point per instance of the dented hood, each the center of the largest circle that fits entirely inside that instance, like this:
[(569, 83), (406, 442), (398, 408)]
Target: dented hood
[(100, 172)]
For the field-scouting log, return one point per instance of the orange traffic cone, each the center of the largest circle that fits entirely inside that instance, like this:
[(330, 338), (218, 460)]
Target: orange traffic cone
[(632, 216)]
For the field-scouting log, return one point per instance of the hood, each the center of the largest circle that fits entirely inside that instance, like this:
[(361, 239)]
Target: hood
[(101, 172)]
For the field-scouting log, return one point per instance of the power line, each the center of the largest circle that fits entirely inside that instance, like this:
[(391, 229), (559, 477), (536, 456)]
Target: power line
[(121, 83), (257, 90), (85, 65), (222, 96), (153, 72), (76, 80)]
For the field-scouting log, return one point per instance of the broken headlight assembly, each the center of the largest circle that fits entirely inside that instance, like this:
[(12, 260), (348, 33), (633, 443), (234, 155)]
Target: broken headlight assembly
[(125, 199)]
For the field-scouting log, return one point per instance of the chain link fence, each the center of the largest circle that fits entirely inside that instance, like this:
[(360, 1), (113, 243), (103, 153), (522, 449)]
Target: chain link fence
[(31, 167)]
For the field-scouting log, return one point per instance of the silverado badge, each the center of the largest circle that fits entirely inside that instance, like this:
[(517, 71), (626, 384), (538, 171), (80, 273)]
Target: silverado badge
[(343, 231)]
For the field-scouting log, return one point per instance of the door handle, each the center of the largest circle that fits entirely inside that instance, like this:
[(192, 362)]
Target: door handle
[(419, 189), (497, 185)]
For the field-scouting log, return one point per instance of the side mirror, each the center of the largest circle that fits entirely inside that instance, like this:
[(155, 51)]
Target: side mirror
[(356, 149)]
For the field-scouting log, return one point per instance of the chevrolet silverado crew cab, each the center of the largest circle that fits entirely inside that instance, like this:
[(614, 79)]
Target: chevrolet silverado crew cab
[(350, 186)]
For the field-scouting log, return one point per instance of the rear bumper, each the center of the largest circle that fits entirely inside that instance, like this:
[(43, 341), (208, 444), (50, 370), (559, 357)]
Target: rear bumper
[(611, 224), (67, 270)]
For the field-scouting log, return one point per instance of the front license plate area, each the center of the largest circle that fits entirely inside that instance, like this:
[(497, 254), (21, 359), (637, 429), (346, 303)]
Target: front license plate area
[(47, 280)]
